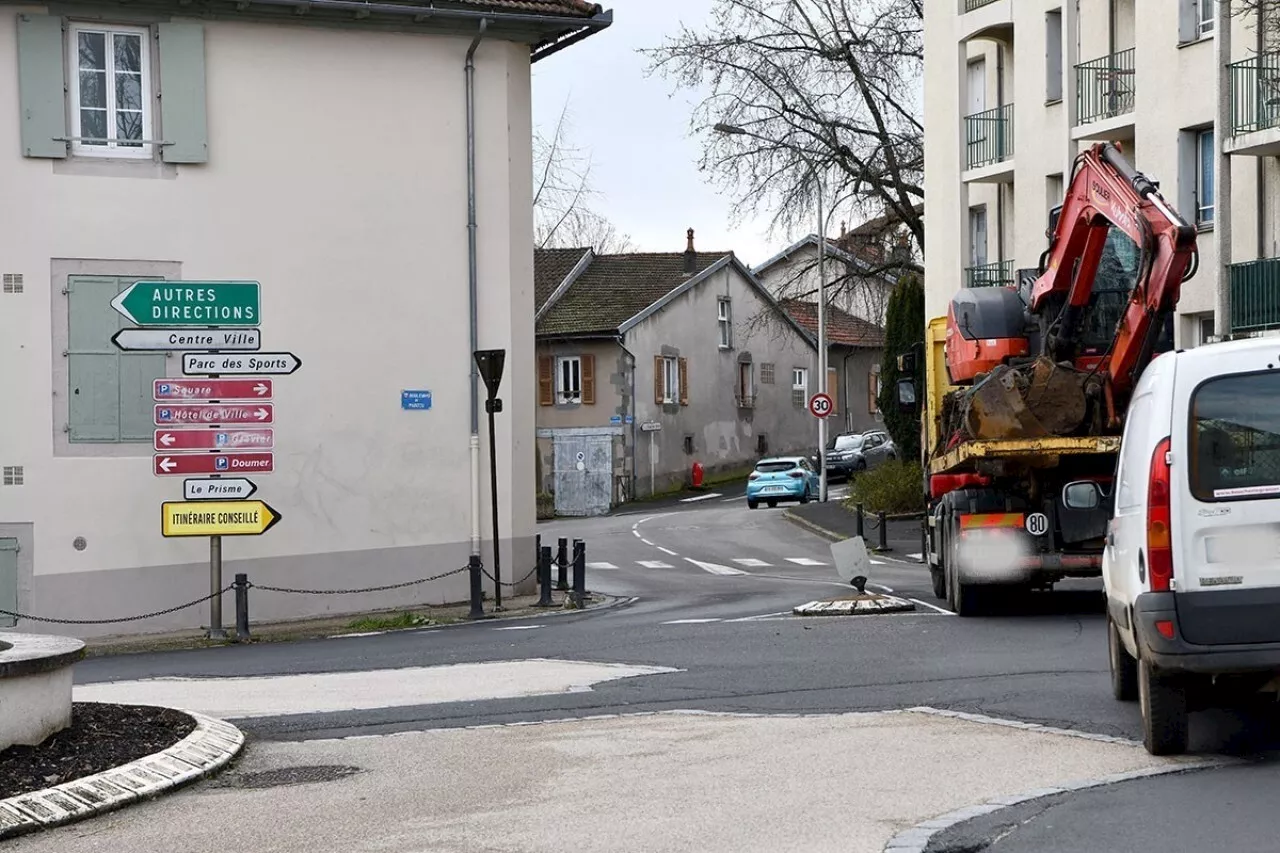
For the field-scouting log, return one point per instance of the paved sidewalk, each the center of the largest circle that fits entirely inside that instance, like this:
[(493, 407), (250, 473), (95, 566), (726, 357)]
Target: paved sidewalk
[(847, 783), (833, 520)]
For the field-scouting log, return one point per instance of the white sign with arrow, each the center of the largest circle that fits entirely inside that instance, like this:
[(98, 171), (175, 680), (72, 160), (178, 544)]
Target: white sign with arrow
[(180, 340), (234, 364), (215, 488)]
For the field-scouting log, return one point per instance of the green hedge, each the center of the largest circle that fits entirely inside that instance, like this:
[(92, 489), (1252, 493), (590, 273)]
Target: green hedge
[(896, 486)]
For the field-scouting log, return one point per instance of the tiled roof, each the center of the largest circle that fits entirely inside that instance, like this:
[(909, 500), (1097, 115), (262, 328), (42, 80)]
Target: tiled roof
[(842, 328), (550, 268), (574, 8), (615, 288)]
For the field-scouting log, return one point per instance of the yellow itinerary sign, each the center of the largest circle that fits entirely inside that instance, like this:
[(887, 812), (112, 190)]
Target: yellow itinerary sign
[(216, 518)]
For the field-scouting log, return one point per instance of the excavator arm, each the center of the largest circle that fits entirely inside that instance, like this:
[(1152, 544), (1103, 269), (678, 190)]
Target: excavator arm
[(1105, 192)]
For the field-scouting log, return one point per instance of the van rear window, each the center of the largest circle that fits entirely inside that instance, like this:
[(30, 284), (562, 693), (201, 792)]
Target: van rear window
[(1235, 438)]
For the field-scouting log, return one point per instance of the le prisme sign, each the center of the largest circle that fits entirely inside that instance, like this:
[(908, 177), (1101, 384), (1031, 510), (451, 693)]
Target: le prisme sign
[(191, 303)]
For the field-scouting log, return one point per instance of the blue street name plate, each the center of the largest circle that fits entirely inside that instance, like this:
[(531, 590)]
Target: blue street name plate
[(418, 401)]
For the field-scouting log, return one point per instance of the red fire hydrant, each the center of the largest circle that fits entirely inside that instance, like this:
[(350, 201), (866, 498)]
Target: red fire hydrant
[(696, 476)]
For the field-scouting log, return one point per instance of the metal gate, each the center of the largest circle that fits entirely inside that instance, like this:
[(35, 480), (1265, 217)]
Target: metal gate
[(8, 580), (584, 474)]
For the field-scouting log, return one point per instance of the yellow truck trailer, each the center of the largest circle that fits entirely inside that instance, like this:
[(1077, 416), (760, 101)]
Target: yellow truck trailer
[(997, 510)]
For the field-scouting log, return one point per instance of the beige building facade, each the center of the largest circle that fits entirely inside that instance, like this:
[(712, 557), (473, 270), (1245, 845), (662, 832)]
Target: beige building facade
[(323, 154), (1015, 89)]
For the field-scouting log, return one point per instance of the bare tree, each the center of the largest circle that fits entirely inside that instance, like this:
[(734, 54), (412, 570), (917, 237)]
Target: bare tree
[(825, 87), (1264, 15), (562, 216)]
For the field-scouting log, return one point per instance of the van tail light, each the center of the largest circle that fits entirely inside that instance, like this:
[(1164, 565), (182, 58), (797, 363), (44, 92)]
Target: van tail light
[(797, 474), (1159, 520)]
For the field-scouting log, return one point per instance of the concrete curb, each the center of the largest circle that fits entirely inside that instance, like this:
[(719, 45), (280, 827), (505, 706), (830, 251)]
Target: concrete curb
[(917, 838), (607, 602), (813, 528), (205, 751)]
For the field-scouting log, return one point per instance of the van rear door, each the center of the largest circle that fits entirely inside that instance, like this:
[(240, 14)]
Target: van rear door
[(1226, 497)]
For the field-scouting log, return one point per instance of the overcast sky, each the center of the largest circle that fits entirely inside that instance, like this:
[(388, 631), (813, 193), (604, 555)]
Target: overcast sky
[(636, 129)]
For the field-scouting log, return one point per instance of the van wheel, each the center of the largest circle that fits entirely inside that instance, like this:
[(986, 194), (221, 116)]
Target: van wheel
[(1164, 712), (1124, 669)]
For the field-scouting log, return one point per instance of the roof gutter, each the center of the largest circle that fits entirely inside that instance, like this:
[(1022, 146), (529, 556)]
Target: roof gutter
[(575, 29)]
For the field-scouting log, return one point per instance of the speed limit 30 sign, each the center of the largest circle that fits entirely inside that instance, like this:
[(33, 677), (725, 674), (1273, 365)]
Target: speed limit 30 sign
[(820, 405)]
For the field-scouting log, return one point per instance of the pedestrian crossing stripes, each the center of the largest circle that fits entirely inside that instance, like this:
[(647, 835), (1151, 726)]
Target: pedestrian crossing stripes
[(719, 569), (655, 564), (752, 563), (602, 566), (805, 561)]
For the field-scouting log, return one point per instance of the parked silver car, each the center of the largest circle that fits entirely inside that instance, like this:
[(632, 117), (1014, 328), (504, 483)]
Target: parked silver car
[(852, 452)]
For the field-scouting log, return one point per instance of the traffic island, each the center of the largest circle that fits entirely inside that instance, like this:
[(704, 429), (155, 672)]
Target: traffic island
[(110, 756), (855, 605)]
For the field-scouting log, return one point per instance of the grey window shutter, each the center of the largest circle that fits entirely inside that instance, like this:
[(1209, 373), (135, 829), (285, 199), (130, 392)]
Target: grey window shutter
[(183, 121), (42, 86)]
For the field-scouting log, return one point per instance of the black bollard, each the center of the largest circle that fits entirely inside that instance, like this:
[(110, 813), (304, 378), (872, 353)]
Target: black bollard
[(857, 516), (884, 531), (242, 608), (537, 551), (562, 564), (544, 578), (477, 588), (579, 572)]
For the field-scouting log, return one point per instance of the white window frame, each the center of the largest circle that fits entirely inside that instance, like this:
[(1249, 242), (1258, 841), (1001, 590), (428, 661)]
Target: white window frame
[(565, 392), (746, 390), (800, 387), (724, 320), (670, 379), (1204, 205), (1205, 13), (111, 149)]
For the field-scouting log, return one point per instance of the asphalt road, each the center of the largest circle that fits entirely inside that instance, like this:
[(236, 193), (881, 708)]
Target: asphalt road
[(713, 584)]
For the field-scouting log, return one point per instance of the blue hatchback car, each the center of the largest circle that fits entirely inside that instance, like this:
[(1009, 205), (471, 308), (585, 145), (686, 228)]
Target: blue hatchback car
[(782, 478)]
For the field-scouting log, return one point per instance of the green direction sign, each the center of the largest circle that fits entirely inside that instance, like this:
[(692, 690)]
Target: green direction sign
[(190, 303)]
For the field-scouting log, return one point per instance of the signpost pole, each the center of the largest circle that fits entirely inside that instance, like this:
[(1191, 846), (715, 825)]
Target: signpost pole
[(490, 364), (653, 467), (216, 631)]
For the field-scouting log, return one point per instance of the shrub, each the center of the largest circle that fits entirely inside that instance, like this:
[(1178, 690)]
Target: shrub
[(896, 486), (903, 334)]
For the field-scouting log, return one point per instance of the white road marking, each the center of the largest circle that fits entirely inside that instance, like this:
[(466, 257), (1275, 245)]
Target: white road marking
[(714, 568), (805, 561), (887, 589), (599, 566), (655, 564), (931, 606), (362, 634), (877, 562), (700, 498), (305, 693), (518, 628), (689, 621), (733, 499), (647, 542), (916, 556), (668, 551), (637, 533), (761, 617), (752, 563)]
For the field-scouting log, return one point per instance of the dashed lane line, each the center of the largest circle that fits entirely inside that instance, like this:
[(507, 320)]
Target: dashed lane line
[(697, 498), (752, 563), (602, 566), (518, 628), (689, 621), (668, 551)]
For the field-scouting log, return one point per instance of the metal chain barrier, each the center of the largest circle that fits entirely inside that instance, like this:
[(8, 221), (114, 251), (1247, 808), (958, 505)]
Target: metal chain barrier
[(164, 612), (513, 583), (357, 591)]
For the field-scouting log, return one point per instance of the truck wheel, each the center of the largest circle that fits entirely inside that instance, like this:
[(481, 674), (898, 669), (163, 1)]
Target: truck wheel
[(966, 599), (1164, 712), (1124, 669)]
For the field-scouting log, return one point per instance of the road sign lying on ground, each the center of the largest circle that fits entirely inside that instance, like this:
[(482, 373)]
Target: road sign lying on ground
[(177, 340), (186, 464), (218, 488), (212, 389), (214, 413), (262, 364), (190, 303), (216, 518), (215, 439)]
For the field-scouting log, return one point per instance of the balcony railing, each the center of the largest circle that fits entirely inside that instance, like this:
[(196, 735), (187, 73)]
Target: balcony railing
[(1104, 87), (994, 274), (1255, 295), (1255, 93), (988, 137), (970, 5)]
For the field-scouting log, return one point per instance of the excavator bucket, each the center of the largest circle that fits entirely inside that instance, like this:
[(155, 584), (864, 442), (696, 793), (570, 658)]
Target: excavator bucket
[(1038, 400)]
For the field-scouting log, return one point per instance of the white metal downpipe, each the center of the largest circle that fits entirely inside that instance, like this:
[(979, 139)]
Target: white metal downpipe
[(472, 275)]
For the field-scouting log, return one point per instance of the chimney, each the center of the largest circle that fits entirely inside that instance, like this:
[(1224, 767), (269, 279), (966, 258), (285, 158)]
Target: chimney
[(690, 256)]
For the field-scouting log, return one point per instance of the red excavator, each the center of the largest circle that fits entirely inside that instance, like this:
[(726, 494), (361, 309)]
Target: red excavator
[(1059, 358), (1026, 387)]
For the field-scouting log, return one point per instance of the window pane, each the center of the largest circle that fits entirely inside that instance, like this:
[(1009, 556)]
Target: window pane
[(1206, 171), (93, 89), (93, 124), (1236, 444), (128, 125), (92, 48), (128, 50), (128, 91)]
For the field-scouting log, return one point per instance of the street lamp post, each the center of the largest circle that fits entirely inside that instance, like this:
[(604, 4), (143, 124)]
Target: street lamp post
[(735, 130)]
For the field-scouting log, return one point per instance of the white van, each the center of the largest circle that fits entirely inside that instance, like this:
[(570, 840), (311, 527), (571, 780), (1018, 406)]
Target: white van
[(1192, 561)]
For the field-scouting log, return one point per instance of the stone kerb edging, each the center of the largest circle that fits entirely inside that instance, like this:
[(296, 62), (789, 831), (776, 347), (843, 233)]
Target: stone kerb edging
[(205, 751)]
